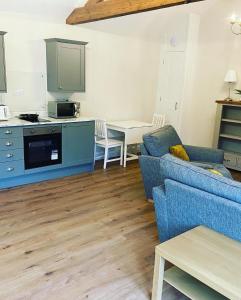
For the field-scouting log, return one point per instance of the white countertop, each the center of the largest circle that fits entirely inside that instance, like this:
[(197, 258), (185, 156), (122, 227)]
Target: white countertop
[(17, 122)]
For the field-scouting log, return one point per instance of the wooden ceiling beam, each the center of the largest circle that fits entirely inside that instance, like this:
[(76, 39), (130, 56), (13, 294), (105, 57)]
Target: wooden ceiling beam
[(92, 2), (96, 10)]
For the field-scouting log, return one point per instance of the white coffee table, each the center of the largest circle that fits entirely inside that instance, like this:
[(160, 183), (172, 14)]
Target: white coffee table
[(207, 266)]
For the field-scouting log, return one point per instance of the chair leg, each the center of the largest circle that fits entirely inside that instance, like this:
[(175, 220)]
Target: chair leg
[(106, 157), (121, 158)]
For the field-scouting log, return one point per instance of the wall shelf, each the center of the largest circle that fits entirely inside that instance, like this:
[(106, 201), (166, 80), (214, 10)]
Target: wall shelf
[(229, 136), (231, 121)]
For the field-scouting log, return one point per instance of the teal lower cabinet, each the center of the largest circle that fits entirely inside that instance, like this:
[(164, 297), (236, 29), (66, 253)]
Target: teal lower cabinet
[(11, 169), (78, 143), (11, 153), (77, 155)]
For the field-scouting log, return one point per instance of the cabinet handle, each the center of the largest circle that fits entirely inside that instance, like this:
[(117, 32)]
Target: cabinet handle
[(8, 144), (10, 169), (9, 155), (60, 87), (8, 132)]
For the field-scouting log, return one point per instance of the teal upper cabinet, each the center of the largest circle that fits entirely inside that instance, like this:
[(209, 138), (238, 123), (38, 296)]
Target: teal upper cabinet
[(3, 83), (65, 65), (78, 143)]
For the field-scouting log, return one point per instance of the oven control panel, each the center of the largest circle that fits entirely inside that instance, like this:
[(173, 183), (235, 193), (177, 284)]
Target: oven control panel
[(42, 130)]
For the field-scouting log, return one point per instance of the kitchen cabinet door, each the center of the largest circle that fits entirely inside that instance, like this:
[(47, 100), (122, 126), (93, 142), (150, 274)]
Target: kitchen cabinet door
[(71, 67), (3, 84), (78, 143), (65, 65)]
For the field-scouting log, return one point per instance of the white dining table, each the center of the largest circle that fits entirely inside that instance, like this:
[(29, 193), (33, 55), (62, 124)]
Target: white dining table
[(133, 132)]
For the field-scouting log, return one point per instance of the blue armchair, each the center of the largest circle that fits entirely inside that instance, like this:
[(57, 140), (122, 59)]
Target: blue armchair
[(192, 196), (157, 143)]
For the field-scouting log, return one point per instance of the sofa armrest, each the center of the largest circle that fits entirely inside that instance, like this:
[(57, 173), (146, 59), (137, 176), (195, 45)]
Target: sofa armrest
[(160, 203), (205, 154), (151, 173)]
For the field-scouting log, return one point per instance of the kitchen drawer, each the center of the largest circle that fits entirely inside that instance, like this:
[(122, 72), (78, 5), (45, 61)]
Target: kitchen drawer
[(11, 169), (8, 132), (230, 160), (11, 143), (11, 155)]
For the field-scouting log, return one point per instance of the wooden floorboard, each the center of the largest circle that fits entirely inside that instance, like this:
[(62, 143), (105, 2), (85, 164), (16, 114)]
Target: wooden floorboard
[(89, 236), (236, 175)]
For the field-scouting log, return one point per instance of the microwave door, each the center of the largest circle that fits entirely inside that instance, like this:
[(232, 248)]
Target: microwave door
[(65, 110)]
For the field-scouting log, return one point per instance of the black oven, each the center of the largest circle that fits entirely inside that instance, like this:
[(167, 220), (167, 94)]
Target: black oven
[(42, 146)]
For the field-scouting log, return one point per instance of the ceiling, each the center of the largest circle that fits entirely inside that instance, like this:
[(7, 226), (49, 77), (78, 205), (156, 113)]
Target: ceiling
[(50, 10), (148, 24)]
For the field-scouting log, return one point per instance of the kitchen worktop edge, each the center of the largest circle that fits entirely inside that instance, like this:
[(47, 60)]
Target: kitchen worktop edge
[(15, 122)]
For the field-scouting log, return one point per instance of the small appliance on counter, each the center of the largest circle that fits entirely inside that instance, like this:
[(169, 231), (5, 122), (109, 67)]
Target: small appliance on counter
[(33, 118), (63, 109), (4, 113)]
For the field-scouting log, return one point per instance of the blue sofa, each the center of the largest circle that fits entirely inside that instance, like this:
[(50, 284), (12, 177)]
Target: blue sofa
[(157, 143), (192, 196)]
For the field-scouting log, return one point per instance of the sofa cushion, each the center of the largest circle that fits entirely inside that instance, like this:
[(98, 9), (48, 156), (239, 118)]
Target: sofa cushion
[(207, 166), (158, 142), (180, 152), (188, 174)]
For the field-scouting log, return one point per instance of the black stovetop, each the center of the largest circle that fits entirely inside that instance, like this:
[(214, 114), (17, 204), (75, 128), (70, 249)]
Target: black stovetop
[(33, 118)]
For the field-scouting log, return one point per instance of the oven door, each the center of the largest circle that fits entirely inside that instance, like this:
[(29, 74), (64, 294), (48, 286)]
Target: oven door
[(42, 150)]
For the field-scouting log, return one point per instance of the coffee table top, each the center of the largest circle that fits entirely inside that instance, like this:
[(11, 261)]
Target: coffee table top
[(208, 256)]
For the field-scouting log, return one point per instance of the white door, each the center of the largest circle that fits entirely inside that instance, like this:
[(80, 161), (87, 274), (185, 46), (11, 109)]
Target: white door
[(171, 86)]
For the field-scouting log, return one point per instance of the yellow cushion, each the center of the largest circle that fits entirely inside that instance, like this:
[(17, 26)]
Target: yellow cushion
[(180, 152), (215, 172)]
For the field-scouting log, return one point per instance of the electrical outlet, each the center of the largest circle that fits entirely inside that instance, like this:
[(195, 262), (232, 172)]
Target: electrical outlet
[(19, 92)]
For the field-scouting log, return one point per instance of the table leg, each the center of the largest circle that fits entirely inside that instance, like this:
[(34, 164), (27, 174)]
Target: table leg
[(125, 154), (158, 277), (125, 150)]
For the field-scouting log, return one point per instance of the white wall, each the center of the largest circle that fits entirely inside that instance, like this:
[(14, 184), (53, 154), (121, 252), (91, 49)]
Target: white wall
[(218, 50), (121, 71), (212, 51)]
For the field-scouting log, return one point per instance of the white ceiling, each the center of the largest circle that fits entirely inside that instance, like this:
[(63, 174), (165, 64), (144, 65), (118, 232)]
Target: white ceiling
[(50, 10), (148, 24)]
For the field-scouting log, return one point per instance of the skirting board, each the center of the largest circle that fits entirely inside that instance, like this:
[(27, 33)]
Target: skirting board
[(42, 176)]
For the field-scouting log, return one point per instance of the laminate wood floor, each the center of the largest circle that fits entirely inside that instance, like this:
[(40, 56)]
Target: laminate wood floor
[(236, 175), (89, 236)]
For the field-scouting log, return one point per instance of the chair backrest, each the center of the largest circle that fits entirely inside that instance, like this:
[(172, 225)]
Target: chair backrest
[(158, 121), (101, 129)]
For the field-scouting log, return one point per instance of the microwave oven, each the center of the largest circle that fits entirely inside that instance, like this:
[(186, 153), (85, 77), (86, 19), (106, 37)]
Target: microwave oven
[(63, 109)]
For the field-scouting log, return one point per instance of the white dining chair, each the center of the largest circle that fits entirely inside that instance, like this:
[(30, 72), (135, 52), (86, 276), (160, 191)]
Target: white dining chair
[(158, 121), (102, 140)]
